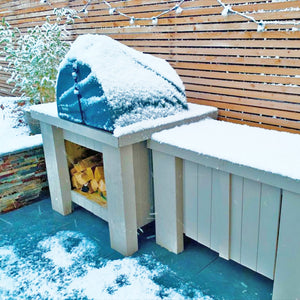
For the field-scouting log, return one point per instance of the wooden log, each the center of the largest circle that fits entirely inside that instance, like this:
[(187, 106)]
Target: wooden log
[(89, 162), (90, 173), (75, 183), (82, 178), (99, 173), (102, 187), (93, 186)]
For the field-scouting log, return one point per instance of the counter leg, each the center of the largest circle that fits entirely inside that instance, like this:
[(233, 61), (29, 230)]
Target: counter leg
[(57, 168), (121, 198)]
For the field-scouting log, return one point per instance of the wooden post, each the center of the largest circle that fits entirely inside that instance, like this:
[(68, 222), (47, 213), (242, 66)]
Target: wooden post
[(220, 213), (57, 168), (121, 204), (168, 195)]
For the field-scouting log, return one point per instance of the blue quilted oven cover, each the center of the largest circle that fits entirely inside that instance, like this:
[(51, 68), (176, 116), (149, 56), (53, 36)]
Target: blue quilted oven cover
[(105, 84)]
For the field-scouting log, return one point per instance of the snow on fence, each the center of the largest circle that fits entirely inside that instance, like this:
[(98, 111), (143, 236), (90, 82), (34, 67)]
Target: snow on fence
[(252, 77)]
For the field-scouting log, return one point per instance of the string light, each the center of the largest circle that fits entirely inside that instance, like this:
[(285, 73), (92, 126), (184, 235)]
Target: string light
[(132, 20), (227, 10), (178, 10), (154, 20), (261, 25), (111, 11)]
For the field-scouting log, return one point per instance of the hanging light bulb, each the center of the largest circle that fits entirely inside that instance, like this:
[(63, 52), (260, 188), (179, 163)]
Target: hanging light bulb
[(111, 11), (261, 26), (85, 11), (154, 21), (226, 11), (178, 10), (132, 20), (43, 1)]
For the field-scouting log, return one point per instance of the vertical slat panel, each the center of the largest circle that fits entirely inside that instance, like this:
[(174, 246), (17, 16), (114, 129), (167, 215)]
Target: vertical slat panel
[(250, 223), (287, 273), (236, 217), (268, 229), (204, 205), (220, 234), (168, 196), (190, 203)]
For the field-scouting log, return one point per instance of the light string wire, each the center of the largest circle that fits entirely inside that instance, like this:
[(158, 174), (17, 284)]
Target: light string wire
[(261, 25), (227, 10), (112, 10)]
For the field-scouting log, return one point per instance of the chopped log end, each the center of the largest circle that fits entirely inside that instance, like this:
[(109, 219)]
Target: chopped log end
[(88, 176)]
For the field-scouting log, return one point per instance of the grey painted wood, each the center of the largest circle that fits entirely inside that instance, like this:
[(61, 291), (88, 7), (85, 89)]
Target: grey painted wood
[(287, 272), (204, 205), (144, 199), (220, 214), (250, 223), (57, 168), (168, 196), (190, 199), (137, 134), (83, 141), (268, 229), (121, 203), (50, 116), (257, 175), (236, 210), (89, 205)]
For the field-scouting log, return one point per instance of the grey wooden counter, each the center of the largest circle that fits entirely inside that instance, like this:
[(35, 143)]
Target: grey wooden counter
[(126, 166), (235, 189)]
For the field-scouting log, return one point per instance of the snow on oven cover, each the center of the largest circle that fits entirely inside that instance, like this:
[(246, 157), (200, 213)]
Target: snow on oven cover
[(105, 84)]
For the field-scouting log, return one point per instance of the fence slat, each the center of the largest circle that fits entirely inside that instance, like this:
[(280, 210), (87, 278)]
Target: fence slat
[(252, 77)]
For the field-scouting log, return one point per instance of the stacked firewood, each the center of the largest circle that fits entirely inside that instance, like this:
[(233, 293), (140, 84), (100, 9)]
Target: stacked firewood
[(87, 175)]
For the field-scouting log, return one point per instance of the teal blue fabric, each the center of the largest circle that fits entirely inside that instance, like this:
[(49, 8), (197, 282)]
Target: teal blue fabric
[(104, 84), (80, 97)]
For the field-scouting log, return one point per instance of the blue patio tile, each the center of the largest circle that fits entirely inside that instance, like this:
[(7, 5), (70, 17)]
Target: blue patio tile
[(224, 279), (197, 267)]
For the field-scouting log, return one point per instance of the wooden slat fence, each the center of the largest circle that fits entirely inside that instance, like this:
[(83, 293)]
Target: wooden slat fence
[(252, 77)]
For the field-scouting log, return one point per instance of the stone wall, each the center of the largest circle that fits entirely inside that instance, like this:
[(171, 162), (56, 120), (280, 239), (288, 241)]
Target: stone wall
[(23, 178)]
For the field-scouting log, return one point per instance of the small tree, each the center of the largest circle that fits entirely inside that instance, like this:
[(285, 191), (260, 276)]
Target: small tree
[(33, 57)]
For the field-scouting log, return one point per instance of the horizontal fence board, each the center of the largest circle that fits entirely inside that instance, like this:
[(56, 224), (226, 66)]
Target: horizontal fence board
[(252, 77)]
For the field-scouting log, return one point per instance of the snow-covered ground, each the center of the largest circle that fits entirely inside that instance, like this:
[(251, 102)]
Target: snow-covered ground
[(67, 265), (14, 132)]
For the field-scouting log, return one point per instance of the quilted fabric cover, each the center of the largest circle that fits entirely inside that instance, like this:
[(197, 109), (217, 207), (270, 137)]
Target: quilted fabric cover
[(105, 84)]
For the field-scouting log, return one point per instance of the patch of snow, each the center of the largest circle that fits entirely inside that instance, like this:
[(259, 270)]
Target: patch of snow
[(14, 132), (268, 150), (65, 248), (43, 273), (193, 111)]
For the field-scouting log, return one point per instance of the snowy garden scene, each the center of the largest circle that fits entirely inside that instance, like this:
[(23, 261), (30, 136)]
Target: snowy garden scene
[(150, 149)]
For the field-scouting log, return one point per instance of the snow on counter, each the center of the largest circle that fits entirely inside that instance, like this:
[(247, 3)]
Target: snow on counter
[(48, 113), (194, 110), (104, 83), (268, 150)]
